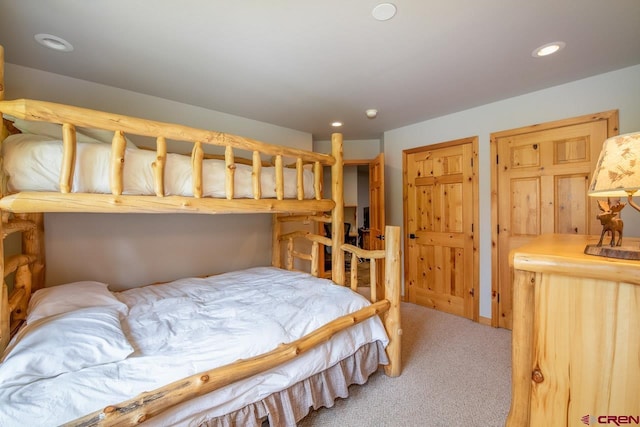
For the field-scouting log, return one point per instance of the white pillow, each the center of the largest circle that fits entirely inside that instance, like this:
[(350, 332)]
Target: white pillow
[(64, 343), (54, 130), (69, 297)]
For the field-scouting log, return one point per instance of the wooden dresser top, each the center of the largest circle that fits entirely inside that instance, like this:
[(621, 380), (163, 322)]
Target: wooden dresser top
[(564, 254)]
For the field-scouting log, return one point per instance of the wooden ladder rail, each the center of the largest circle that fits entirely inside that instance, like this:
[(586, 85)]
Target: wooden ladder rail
[(314, 256), (391, 256), (118, 151), (28, 267), (371, 256), (71, 117)]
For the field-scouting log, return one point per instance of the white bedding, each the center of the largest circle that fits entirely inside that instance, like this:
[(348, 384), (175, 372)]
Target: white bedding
[(33, 162), (185, 327)]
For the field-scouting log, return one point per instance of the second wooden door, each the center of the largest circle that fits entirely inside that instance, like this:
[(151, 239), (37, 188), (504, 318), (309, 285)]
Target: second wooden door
[(441, 263), (541, 178)]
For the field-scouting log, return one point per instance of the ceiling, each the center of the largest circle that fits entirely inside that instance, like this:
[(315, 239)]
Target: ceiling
[(304, 64)]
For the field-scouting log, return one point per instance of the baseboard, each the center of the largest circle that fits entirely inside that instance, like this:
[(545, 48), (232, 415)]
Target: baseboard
[(484, 321)]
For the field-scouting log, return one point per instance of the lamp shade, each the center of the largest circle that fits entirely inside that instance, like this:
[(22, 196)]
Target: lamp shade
[(617, 173)]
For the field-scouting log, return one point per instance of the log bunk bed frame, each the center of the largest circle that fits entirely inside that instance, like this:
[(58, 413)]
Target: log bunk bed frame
[(24, 213)]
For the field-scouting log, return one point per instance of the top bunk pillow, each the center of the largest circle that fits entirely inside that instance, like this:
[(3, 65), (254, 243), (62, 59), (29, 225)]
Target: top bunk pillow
[(70, 297), (54, 130)]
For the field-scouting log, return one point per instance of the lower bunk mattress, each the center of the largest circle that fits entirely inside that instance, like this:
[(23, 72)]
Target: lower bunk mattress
[(84, 348)]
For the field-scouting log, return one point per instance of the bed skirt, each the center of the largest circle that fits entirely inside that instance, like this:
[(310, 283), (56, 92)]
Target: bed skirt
[(287, 407)]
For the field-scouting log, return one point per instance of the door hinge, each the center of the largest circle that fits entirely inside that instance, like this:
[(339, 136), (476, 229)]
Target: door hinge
[(498, 229), (498, 297), (472, 227), (472, 162), (497, 159), (472, 292)]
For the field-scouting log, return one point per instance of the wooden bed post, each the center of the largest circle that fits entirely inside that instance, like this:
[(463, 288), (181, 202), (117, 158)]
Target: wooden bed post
[(1, 73), (276, 230), (337, 216), (33, 244), (392, 293), (3, 129), (5, 315)]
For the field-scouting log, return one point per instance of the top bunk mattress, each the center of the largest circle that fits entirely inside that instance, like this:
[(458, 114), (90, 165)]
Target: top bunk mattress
[(33, 163)]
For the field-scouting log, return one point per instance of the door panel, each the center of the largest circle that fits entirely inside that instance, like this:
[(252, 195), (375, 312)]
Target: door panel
[(376, 215), (542, 176), (440, 262)]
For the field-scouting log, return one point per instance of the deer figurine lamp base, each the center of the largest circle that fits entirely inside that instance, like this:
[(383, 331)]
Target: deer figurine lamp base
[(612, 225)]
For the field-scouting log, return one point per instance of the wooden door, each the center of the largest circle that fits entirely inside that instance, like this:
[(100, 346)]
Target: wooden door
[(540, 185), (441, 263), (376, 215), (375, 234)]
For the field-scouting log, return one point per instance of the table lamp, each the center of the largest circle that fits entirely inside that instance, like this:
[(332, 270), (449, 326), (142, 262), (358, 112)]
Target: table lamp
[(617, 175)]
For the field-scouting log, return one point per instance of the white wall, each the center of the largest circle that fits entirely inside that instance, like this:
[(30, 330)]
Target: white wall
[(359, 149), (350, 179), (125, 250), (615, 90)]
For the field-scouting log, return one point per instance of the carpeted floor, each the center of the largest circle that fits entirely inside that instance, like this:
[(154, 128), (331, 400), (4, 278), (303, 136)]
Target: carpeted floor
[(455, 373)]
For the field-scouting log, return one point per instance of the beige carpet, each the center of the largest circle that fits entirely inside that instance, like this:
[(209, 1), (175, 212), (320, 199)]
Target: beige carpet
[(456, 373)]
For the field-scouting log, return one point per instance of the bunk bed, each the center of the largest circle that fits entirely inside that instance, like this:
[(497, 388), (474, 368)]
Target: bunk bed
[(276, 380)]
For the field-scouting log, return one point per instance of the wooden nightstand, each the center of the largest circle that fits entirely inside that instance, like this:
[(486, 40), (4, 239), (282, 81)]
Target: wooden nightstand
[(576, 334)]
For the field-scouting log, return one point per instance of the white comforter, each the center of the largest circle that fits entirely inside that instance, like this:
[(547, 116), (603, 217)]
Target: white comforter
[(191, 325), (33, 163)]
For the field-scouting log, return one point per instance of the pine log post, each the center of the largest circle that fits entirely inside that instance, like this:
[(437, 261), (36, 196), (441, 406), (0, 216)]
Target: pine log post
[(392, 294), (33, 245), (23, 283), (4, 290), (317, 180), (230, 169), (197, 156), (279, 177), (118, 146), (276, 252), (373, 280), (159, 165), (68, 157), (300, 178), (256, 175), (5, 314), (524, 299), (289, 260), (1, 72), (315, 258), (337, 216)]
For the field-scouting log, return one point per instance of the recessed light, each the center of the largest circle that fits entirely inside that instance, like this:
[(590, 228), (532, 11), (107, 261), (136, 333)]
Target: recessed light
[(336, 124), (384, 11), (54, 42), (548, 49)]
